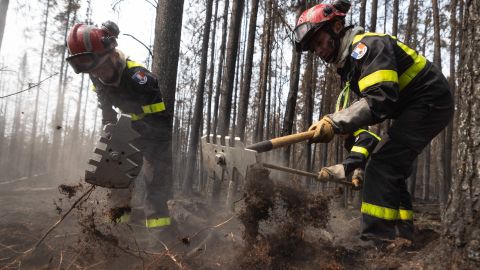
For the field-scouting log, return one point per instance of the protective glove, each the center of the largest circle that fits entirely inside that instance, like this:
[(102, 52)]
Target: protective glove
[(357, 178), (323, 131), (335, 172)]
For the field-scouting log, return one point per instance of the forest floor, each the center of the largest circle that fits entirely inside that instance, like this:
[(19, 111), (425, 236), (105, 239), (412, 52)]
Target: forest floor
[(271, 228)]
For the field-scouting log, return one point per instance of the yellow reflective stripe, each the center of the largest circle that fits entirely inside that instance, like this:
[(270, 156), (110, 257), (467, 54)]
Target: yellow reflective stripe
[(154, 108), (379, 212), (419, 62), (356, 133), (125, 218), (157, 222), (136, 117), (132, 64), (148, 109), (377, 77), (357, 38), (94, 88), (361, 150), (405, 214)]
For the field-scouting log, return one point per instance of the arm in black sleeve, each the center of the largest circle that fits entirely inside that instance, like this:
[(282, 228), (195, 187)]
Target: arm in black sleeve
[(364, 143)]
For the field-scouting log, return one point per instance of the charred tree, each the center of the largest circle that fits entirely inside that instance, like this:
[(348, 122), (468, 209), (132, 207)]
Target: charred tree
[(264, 72), (462, 217), (395, 18), (166, 49), (220, 68), (292, 92), (212, 71), (373, 18), (229, 73), (198, 110), (245, 84), (363, 7)]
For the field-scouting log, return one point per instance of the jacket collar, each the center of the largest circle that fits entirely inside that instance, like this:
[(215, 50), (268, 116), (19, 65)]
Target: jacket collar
[(345, 44)]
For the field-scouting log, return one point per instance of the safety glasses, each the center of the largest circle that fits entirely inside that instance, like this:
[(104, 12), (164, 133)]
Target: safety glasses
[(303, 33), (85, 62)]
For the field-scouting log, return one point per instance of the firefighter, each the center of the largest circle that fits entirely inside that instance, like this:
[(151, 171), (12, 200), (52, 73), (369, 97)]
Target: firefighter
[(127, 85), (392, 81)]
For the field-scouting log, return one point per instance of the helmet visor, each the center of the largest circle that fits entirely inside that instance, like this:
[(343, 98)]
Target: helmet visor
[(85, 62), (303, 33)]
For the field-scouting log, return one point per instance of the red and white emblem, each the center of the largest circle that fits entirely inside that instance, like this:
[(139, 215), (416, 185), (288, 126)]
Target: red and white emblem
[(359, 51), (140, 77)]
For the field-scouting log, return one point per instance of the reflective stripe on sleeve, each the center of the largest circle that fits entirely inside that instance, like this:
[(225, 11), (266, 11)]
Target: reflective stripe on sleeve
[(361, 150), (157, 222), (132, 64), (405, 214), (377, 77), (379, 212), (419, 63), (358, 132), (149, 109), (357, 38)]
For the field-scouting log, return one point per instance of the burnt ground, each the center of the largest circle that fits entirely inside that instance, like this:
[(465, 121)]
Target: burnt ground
[(274, 227)]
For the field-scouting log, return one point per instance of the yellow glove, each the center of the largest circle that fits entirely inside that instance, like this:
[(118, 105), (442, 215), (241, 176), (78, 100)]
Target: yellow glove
[(323, 131), (357, 178)]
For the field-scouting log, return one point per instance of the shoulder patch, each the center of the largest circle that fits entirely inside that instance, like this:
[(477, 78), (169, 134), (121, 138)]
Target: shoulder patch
[(359, 51), (140, 77)]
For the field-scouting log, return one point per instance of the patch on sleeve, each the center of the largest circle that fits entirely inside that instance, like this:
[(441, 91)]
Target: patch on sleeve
[(140, 77), (359, 51)]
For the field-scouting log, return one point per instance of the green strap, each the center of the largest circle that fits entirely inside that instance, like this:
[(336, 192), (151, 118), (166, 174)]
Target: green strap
[(344, 94)]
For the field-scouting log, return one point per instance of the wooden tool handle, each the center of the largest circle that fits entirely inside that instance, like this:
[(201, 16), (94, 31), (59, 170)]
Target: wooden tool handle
[(274, 143)]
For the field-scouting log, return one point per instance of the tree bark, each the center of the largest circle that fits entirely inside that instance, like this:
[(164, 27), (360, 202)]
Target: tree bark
[(264, 72), (230, 61), (220, 69), (166, 49), (245, 84), (363, 7), (198, 110), (292, 94), (462, 217), (373, 18), (395, 18), (212, 71)]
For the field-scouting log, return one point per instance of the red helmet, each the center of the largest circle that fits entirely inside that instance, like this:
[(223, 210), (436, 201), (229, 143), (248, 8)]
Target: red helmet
[(312, 20), (89, 45)]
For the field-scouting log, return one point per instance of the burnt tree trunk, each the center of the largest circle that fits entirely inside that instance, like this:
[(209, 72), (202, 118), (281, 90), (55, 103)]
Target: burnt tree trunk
[(245, 84), (462, 217), (212, 71), (198, 110), (230, 61), (264, 72), (292, 93), (373, 18), (221, 59)]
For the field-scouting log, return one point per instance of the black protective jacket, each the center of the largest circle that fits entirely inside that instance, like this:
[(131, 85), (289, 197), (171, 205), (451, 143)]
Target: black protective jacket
[(137, 95)]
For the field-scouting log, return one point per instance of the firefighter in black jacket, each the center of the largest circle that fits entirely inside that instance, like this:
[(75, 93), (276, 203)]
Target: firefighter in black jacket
[(127, 85), (393, 81)]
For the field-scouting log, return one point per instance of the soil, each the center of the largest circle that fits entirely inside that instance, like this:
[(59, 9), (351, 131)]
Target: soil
[(275, 226)]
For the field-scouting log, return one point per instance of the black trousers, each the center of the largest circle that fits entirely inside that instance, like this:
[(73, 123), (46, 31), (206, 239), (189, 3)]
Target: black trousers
[(156, 146), (387, 205)]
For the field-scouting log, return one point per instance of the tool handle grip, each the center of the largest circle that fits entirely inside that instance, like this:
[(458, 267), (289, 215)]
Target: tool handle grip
[(274, 143)]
